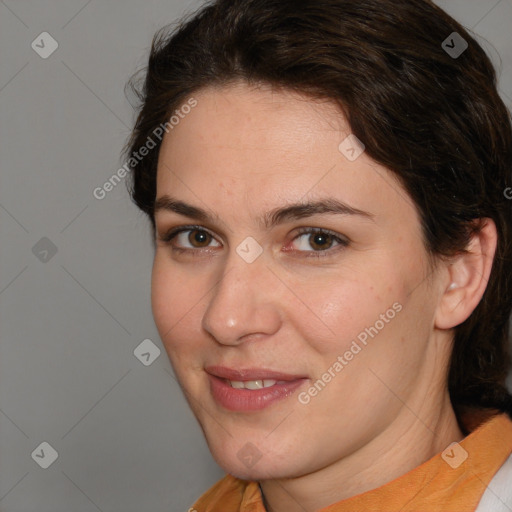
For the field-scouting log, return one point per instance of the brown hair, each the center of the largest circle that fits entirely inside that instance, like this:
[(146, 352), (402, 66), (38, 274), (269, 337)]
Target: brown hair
[(434, 119)]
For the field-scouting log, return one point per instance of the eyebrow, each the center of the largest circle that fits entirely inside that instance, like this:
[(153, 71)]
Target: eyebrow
[(271, 218)]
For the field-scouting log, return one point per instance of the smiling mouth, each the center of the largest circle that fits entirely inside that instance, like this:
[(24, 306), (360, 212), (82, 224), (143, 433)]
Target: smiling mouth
[(250, 389)]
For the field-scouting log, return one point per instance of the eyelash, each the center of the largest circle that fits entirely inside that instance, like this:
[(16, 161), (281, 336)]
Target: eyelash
[(343, 243)]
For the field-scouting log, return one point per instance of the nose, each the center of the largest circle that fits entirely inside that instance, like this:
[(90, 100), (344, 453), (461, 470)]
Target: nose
[(243, 304)]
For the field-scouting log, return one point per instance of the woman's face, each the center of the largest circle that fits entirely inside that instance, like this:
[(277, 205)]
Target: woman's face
[(335, 324)]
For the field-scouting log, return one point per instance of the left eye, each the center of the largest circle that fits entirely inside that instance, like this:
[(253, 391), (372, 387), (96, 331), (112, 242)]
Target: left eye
[(320, 239)]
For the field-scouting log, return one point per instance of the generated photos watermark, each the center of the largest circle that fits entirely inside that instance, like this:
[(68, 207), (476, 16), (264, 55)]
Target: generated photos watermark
[(355, 348), (137, 156)]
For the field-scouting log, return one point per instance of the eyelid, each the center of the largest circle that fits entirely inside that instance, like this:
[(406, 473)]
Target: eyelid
[(168, 235), (312, 230)]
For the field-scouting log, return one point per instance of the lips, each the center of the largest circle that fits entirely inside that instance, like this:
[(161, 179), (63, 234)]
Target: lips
[(250, 389)]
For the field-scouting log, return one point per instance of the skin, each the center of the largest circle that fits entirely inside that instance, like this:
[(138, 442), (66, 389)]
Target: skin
[(241, 152)]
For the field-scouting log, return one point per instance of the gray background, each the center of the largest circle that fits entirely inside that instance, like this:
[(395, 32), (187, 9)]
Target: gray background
[(125, 438)]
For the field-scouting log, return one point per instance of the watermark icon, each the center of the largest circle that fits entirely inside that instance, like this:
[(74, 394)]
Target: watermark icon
[(45, 455), (351, 148), (146, 352), (454, 45), (454, 455), (249, 249), (137, 156), (249, 455), (44, 250), (44, 45), (341, 361), (508, 193)]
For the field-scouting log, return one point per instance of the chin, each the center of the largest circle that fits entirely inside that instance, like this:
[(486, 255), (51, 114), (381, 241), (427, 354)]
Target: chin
[(248, 463), (260, 472)]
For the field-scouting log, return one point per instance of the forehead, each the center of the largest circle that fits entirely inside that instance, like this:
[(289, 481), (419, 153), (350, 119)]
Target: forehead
[(242, 146), (275, 127)]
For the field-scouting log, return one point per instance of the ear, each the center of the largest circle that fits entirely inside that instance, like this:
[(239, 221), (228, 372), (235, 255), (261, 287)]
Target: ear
[(467, 277)]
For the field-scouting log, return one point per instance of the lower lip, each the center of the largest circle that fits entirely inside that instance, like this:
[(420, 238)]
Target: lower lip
[(247, 399)]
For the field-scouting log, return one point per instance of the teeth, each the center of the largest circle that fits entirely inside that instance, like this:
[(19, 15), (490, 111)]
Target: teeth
[(252, 384)]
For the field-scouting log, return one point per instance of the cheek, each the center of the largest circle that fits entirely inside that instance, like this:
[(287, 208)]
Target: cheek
[(162, 297), (381, 336), (343, 308), (173, 300)]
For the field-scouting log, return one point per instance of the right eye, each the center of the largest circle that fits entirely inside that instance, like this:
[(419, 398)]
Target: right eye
[(196, 236)]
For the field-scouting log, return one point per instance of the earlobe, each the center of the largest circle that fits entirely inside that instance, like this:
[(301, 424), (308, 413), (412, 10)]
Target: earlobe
[(467, 277)]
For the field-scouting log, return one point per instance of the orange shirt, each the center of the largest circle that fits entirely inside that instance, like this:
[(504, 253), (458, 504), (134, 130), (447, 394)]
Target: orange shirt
[(448, 482)]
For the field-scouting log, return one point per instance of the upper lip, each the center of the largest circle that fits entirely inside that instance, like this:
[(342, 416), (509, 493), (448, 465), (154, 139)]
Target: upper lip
[(244, 374)]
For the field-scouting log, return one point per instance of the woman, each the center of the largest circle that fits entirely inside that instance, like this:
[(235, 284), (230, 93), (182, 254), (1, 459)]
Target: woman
[(333, 244)]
